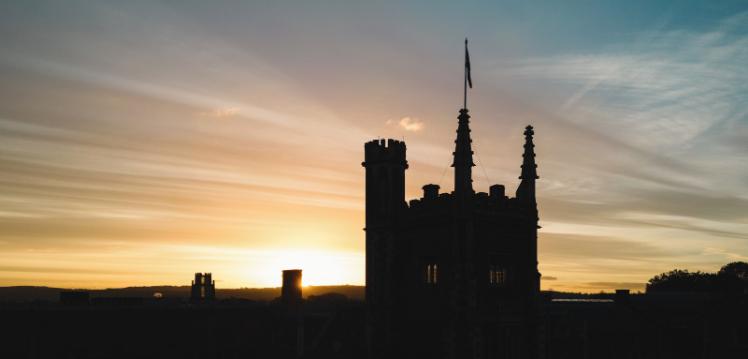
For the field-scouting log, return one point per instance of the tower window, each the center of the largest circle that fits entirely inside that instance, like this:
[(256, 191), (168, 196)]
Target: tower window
[(431, 273), (496, 275)]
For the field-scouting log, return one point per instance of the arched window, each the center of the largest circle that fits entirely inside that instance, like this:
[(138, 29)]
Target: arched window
[(431, 273)]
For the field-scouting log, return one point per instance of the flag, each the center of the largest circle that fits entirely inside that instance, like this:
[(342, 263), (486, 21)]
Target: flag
[(467, 66)]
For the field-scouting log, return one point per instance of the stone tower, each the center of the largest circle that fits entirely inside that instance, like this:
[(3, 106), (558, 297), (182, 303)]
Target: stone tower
[(385, 202), (203, 288)]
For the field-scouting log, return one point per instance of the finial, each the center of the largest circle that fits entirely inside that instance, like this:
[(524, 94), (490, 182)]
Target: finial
[(526, 189), (463, 155), (528, 162), (529, 131)]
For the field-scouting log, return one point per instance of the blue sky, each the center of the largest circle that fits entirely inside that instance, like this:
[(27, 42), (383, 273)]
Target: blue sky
[(143, 141)]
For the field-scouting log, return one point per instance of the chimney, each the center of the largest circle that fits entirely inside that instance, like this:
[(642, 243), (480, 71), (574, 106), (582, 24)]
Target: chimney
[(622, 296), (430, 191), (291, 291), (497, 191)]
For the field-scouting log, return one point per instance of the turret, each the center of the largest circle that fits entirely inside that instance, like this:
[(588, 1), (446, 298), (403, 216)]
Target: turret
[(526, 196), (209, 286), (526, 189), (203, 287), (463, 157), (385, 165)]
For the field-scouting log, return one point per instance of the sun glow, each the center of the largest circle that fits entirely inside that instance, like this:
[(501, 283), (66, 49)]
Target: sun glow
[(320, 267)]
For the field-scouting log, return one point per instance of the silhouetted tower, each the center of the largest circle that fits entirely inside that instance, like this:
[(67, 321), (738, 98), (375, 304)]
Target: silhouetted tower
[(385, 181), (526, 189), (462, 293), (463, 156), (210, 286), (526, 197), (203, 288), (291, 291), (385, 201), (294, 321)]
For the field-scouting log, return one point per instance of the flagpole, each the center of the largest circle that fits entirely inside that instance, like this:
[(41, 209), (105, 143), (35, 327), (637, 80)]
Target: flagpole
[(464, 87)]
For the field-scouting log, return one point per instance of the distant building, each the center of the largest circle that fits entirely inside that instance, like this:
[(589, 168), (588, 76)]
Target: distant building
[(291, 291), (450, 275), (203, 288)]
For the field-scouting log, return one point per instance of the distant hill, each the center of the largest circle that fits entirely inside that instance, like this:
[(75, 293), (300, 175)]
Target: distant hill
[(25, 293)]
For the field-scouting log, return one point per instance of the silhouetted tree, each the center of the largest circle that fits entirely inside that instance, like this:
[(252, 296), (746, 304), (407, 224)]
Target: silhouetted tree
[(733, 278), (682, 281), (736, 269)]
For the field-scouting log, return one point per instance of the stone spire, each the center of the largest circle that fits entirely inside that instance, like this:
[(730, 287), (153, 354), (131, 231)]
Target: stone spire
[(526, 189), (463, 156)]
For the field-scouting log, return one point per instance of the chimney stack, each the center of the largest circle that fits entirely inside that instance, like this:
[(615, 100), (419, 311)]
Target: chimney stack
[(497, 191), (430, 191), (291, 291)]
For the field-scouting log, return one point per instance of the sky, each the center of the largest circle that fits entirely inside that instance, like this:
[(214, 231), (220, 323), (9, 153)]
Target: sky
[(144, 141)]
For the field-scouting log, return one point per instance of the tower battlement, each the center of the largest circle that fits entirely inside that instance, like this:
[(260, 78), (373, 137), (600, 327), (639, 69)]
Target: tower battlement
[(385, 151), (203, 287)]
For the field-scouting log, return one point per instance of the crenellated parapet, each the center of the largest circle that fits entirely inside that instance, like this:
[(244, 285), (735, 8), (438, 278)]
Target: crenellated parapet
[(385, 151), (494, 203)]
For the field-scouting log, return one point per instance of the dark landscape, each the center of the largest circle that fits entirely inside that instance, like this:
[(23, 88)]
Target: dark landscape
[(52, 295), (682, 315)]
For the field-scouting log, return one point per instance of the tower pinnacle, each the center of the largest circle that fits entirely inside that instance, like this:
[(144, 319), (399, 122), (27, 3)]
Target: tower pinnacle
[(463, 156), (526, 189)]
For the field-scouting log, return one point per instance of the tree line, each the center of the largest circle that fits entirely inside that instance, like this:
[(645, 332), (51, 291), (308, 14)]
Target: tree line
[(731, 278)]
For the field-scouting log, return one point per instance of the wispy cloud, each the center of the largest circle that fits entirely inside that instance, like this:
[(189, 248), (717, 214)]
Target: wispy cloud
[(221, 112), (667, 90), (667, 119), (408, 123), (411, 124)]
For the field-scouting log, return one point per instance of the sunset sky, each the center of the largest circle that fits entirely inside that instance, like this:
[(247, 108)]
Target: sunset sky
[(143, 141)]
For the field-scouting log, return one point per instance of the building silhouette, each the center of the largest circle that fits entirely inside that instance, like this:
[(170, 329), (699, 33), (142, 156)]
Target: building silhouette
[(291, 290), (293, 320), (203, 288), (450, 275)]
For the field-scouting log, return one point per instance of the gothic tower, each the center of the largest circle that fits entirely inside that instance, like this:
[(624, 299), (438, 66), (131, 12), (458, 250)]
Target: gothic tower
[(385, 165)]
